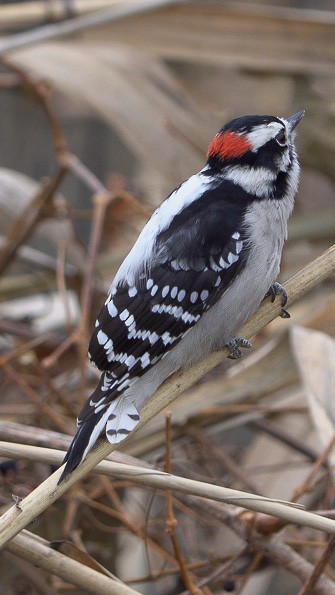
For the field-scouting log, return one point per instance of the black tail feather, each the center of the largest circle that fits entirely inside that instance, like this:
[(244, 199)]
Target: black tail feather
[(74, 455)]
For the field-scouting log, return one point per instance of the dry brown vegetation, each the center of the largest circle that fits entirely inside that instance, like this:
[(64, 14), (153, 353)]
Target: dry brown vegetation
[(196, 501)]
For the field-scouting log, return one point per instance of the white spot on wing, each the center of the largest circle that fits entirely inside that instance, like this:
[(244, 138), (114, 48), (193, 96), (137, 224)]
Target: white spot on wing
[(214, 266), (168, 339), (113, 311), (130, 361), (223, 264), (130, 320), (124, 314), (131, 330), (123, 385), (232, 258), (181, 295), (102, 338), (145, 360), (238, 247), (190, 318), (153, 338), (193, 297), (175, 311)]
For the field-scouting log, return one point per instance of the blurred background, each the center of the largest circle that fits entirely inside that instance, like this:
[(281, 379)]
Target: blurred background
[(105, 107)]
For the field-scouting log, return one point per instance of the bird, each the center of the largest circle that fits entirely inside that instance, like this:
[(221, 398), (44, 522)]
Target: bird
[(201, 266)]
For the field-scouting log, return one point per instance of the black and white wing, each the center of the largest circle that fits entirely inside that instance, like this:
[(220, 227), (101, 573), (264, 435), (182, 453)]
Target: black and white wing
[(151, 306), (193, 262)]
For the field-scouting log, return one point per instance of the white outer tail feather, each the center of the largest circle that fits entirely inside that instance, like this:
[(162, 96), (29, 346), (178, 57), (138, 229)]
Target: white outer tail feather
[(120, 418), (123, 417)]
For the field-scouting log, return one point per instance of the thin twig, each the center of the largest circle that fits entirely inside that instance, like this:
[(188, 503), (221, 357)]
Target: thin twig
[(154, 479), (274, 547), (264, 425), (49, 384), (123, 517), (35, 398), (101, 203), (82, 172), (26, 222), (21, 349), (224, 458), (223, 569), (82, 23), (40, 90), (253, 566), (309, 482), (62, 287), (171, 521), (309, 586)]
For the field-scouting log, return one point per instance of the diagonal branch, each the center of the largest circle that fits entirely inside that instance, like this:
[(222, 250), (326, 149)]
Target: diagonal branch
[(159, 480), (38, 551), (82, 23), (16, 518), (25, 223)]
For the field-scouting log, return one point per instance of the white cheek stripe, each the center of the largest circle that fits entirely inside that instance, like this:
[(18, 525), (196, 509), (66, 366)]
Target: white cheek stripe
[(254, 181)]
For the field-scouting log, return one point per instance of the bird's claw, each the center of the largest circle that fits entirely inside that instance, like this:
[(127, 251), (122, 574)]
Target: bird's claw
[(275, 290), (234, 347)]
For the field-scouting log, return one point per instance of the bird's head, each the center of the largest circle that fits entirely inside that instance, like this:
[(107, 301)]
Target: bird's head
[(255, 141)]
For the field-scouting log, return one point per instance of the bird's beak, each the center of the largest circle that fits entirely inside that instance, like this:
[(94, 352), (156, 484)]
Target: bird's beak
[(294, 120)]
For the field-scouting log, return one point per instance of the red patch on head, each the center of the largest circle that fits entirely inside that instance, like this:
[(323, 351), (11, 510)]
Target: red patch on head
[(228, 145)]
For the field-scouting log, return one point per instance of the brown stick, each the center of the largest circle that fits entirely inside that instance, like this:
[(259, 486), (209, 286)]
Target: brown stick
[(311, 583), (171, 521), (25, 223)]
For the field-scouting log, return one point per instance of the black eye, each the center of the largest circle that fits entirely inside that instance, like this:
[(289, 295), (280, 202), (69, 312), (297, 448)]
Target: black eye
[(281, 138)]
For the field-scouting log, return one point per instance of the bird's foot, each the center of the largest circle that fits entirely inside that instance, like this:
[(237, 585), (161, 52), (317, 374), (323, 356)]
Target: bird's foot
[(234, 347), (275, 290)]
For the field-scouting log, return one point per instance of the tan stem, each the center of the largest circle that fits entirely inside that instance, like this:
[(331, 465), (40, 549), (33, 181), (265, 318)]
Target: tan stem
[(38, 552), (152, 478)]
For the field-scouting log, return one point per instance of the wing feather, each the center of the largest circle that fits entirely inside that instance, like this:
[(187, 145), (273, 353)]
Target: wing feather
[(192, 265)]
